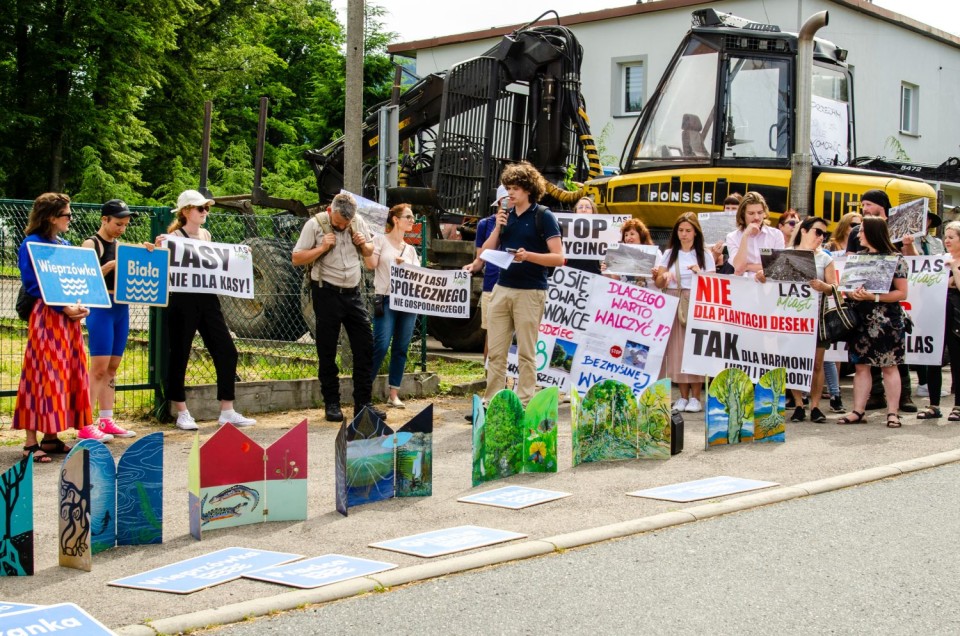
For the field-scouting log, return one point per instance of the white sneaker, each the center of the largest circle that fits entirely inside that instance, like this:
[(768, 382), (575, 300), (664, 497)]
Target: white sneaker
[(681, 404), (922, 391), (236, 419), (185, 421), (693, 406)]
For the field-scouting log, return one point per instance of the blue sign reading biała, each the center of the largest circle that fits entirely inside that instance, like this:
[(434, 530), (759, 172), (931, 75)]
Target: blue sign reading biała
[(142, 275), (205, 571), (514, 497), (321, 570), (448, 541), (68, 275), (703, 489), (65, 618)]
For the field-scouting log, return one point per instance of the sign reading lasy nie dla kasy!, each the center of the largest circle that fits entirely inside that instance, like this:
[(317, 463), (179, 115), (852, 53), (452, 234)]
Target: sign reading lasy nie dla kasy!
[(203, 267), (68, 275), (142, 275)]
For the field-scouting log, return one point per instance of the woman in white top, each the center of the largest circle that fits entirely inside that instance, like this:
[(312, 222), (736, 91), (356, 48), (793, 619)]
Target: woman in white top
[(684, 257), (744, 244), (390, 324)]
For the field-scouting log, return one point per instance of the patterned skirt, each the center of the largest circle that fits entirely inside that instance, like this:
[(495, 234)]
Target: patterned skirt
[(54, 392)]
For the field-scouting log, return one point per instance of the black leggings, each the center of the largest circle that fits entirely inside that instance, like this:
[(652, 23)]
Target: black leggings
[(935, 373), (186, 315)]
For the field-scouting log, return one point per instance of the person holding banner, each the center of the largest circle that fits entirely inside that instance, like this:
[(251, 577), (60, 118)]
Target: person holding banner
[(390, 324), (633, 232), (188, 313), (108, 328), (54, 390), (841, 234), (585, 206), (753, 233), (879, 342), (531, 232), (684, 257)]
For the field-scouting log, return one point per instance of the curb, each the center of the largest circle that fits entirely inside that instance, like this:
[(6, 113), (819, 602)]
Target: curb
[(528, 549)]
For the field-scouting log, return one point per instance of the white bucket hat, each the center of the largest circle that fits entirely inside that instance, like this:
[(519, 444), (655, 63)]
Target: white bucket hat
[(189, 198)]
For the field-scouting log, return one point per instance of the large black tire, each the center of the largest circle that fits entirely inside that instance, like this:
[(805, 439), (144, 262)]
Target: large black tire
[(459, 334), (274, 312)]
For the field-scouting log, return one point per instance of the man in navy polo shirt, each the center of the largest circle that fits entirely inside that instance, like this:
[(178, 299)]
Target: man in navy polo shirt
[(518, 299)]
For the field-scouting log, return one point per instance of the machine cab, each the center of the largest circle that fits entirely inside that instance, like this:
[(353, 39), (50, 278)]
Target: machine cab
[(728, 98)]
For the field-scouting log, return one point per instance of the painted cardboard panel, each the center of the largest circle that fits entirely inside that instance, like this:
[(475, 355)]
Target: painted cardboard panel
[(74, 525), (606, 426), (340, 470), (770, 406), (540, 432), (193, 488), (370, 461), (729, 416), (229, 457), (415, 456), (501, 438), (576, 408), (286, 477), (229, 506), (653, 435), (16, 519), (140, 492), (479, 434), (103, 495)]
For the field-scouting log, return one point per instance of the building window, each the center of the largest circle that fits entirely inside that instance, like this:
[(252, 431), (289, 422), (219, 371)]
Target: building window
[(909, 108), (629, 86)]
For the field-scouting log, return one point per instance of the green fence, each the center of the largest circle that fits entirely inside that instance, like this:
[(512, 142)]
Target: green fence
[(273, 331)]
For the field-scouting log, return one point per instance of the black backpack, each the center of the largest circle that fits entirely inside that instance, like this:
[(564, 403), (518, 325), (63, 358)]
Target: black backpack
[(539, 211)]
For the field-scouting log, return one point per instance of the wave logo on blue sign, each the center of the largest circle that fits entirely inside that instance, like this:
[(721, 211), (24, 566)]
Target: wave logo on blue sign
[(142, 275)]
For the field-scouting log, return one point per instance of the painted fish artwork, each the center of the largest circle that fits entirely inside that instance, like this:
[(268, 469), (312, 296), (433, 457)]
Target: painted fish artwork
[(74, 523), (509, 440), (611, 423), (729, 416), (374, 462), (103, 494), (16, 519), (769, 407)]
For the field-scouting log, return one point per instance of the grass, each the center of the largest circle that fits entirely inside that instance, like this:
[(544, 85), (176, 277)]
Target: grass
[(453, 373)]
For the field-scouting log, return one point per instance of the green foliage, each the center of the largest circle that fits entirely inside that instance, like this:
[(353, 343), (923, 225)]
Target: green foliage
[(899, 152), (733, 389), (607, 424), (653, 434), (503, 436)]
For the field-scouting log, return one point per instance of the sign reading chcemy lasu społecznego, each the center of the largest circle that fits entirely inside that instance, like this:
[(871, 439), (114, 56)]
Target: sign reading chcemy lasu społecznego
[(431, 292), (587, 236), (737, 322), (204, 267), (68, 275), (142, 275)]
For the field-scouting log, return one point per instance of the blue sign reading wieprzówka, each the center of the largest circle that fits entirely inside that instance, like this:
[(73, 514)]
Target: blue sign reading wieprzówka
[(68, 275)]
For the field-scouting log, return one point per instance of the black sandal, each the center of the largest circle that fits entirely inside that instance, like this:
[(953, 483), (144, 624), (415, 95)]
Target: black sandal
[(37, 457), (929, 413), (894, 422), (954, 414), (848, 419), (54, 446)]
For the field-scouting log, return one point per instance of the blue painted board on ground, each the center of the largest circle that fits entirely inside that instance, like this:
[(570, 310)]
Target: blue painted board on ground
[(447, 541), (9, 608), (703, 489), (68, 275), (514, 497), (205, 571), (142, 275), (65, 618), (321, 570)]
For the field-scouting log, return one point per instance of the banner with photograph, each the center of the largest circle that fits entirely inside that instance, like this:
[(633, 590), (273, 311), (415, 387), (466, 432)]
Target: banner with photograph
[(737, 322), (203, 267), (716, 226), (625, 259), (587, 236), (372, 212), (430, 292), (907, 219)]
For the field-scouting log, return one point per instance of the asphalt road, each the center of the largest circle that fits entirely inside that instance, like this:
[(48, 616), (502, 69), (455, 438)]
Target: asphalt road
[(876, 559)]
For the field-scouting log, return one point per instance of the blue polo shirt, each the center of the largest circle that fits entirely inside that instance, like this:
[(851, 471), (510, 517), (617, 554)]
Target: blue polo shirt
[(490, 271), (521, 231)]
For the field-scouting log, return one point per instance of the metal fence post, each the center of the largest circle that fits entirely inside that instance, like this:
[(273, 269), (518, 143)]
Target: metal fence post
[(423, 318), (156, 339)]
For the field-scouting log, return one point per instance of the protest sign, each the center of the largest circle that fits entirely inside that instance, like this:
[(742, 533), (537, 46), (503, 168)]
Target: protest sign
[(319, 571), (716, 225), (203, 267), (68, 275), (624, 259), (514, 497), (703, 489), (788, 265), (873, 272), (907, 219), (587, 236), (66, 617), (829, 131), (142, 275), (430, 292), (737, 322), (926, 304), (447, 541), (372, 212)]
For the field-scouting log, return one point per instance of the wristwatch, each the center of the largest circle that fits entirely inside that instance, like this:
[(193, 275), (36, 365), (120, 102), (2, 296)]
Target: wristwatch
[(876, 298)]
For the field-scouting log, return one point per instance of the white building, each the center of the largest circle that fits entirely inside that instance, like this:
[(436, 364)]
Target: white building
[(906, 74)]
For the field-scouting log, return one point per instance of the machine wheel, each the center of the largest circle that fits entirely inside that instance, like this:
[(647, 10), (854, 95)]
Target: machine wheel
[(274, 312), (459, 334)]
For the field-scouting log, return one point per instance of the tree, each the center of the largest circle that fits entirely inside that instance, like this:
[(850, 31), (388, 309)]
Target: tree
[(776, 381), (733, 389)]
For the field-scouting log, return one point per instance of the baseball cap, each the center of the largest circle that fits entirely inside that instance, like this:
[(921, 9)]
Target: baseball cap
[(501, 193), (191, 198), (116, 208)]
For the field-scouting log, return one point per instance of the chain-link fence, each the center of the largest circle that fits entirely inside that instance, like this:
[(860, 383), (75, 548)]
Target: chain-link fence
[(273, 331)]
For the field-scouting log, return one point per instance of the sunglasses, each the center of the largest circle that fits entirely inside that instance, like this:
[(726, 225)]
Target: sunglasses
[(202, 208), (65, 216), (791, 222), (820, 233)]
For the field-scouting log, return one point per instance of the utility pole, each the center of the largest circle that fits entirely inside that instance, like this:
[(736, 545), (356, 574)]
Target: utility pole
[(353, 117)]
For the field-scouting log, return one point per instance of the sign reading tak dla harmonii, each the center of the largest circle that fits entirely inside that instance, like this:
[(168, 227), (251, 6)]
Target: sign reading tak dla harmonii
[(202, 267)]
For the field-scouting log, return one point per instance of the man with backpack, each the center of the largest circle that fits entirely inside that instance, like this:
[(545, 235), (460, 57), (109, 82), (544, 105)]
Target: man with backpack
[(333, 244), (531, 232)]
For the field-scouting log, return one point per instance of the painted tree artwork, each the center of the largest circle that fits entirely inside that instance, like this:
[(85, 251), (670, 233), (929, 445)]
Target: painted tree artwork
[(103, 494), (509, 440), (729, 416), (16, 519), (769, 407), (233, 481), (74, 523), (610, 423), (373, 462)]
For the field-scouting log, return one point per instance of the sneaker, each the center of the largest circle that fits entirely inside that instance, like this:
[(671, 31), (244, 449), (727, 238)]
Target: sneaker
[(922, 391), (332, 413), (185, 421), (93, 432), (798, 415), (396, 403), (681, 404), (236, 419), (816, 415), (693, 406), (108, 426), (836, 405)]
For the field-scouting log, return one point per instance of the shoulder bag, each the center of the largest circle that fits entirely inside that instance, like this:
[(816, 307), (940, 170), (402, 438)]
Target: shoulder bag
[(840, 322)]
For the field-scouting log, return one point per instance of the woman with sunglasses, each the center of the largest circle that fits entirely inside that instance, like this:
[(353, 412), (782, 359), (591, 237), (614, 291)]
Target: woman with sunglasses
[(54, 390), (188, 313), (787, 224), (390, 324)]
